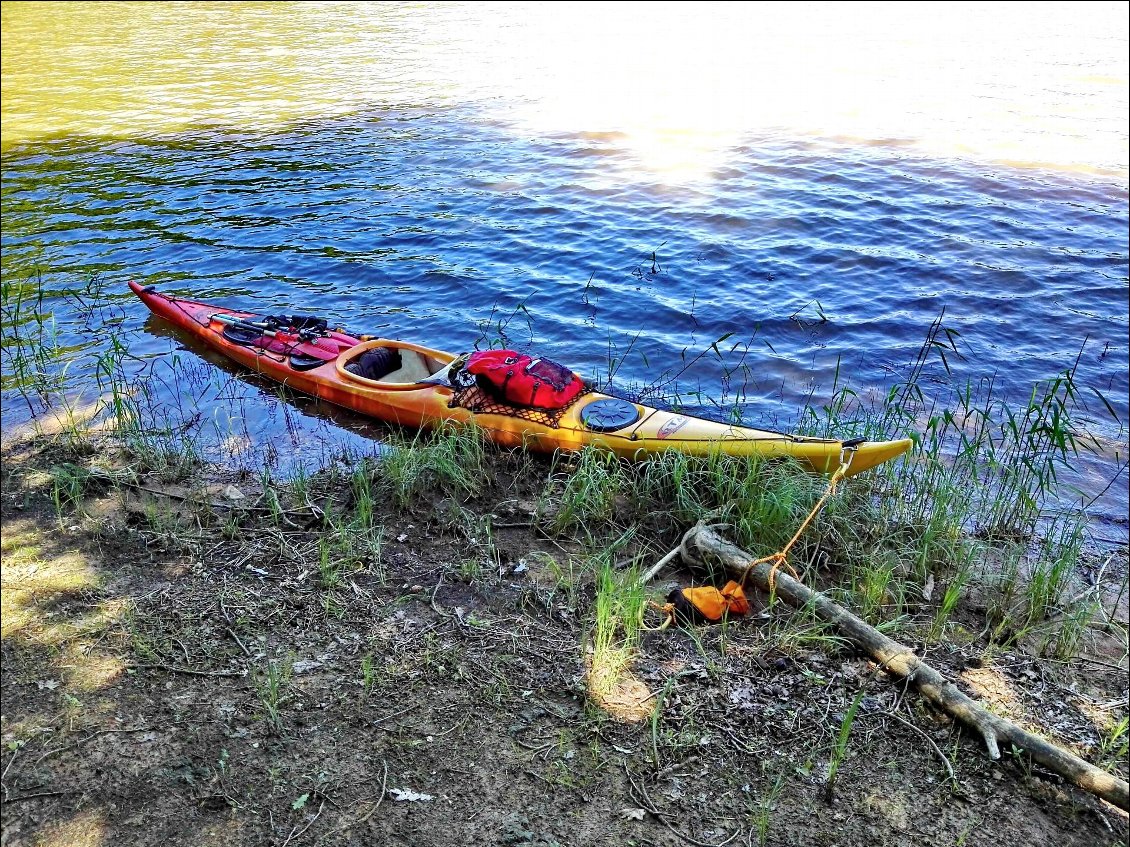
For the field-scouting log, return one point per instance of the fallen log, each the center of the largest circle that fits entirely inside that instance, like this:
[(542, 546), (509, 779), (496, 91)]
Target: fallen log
[(702, 546)]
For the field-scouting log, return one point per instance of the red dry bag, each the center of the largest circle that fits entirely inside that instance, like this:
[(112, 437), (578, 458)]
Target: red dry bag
[(524, 381)]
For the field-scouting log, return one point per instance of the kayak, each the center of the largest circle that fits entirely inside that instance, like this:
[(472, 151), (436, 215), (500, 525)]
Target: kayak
[(415, 386)]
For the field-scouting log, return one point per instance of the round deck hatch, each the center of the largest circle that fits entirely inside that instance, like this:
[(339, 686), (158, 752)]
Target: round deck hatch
[(609, 415)]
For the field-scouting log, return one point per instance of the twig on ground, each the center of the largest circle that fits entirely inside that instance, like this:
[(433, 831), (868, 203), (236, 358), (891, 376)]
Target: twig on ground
[(650, 573), (3, 776), (183, 649), (540, 748), (367, 815), (1098, 662), (188, 498), (38, 794), (189, 671), (293, 835), (674, 767), (79, 743), (411, 708), (929, 740), (228, 629), (231, 632), (701, 544), (436, 608), (640, 795)]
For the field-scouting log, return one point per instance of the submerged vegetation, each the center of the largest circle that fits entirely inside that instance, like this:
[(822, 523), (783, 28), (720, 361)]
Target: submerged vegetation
[(971, 542)]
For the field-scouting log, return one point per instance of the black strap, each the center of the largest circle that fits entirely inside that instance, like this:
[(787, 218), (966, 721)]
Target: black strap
[(302, 362), (245, 336)]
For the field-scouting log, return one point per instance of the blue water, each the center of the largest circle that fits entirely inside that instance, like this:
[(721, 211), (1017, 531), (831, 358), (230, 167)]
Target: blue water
[(425, 226), (820, 258)]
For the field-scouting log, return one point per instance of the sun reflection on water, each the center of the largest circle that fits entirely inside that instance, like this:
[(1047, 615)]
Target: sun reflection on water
[(683, 81), (680, 83)]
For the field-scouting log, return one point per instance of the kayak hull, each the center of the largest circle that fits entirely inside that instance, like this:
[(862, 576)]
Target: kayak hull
[(422, 404)]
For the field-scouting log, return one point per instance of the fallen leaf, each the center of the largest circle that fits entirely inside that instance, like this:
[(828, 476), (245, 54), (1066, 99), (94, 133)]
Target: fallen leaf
[(632, 814)]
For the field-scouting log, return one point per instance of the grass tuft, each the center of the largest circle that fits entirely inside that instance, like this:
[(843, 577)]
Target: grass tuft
[(449, 458), (617, 616)]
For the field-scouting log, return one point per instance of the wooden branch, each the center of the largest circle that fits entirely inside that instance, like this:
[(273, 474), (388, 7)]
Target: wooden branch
[(701, 545), (658, 566)]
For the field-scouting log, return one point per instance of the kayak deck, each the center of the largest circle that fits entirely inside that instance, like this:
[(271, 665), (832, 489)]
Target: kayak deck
[(418, 393)]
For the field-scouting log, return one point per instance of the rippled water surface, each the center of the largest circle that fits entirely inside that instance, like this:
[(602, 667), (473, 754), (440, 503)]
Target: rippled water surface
[(816, 182)]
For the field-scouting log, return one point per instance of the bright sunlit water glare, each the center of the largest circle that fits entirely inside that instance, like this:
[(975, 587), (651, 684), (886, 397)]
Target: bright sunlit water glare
[(1042, 85)]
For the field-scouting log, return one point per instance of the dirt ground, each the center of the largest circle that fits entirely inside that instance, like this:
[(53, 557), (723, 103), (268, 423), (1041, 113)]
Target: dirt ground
[(196, 687)]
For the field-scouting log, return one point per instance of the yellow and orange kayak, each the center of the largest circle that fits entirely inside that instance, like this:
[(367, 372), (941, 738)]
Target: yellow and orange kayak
[(416, 391)]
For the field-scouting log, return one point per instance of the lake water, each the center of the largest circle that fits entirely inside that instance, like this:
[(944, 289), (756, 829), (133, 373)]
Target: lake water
[(605, 184)]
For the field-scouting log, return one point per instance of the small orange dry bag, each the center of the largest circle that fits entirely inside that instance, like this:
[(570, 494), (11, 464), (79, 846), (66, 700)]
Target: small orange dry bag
[(707, 603)]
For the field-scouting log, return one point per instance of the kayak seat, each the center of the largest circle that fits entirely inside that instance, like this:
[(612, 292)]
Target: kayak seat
[(376, 363), (392, 365), (413, 368)]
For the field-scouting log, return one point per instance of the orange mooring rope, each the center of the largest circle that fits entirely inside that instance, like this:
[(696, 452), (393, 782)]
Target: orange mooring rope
[(779, 558)]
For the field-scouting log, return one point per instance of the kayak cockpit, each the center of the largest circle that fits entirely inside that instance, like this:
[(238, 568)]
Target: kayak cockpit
[(393, 364)]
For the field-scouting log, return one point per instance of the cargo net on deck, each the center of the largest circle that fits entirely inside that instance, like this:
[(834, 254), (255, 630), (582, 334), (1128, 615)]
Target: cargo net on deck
[(474, 399)]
